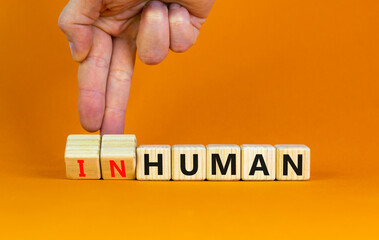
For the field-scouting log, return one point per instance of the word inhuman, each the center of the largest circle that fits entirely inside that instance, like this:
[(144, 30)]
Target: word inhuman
[(118, 157)]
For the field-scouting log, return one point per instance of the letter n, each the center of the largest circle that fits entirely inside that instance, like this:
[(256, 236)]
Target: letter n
[(288, 160), (121, 171)]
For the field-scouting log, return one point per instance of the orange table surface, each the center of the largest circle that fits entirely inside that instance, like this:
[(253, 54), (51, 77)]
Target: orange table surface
[(267, 72)]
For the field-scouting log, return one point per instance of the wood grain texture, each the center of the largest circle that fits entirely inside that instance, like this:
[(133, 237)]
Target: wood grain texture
[(118, 156), (190, 155), (299, 155), (82, 157), (81, 137), (119, 139), (119, 164), (258, 162), (154, 154), (223, 162)]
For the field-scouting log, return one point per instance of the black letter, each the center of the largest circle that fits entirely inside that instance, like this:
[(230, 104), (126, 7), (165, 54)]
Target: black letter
[(223, 170), (259, 157), (287, 159), (183, 165), (153, 164)]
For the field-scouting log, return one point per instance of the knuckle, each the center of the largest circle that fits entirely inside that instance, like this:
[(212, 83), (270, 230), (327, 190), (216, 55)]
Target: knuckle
[(91, 92), (98, 61), (63, 23), (121, 76), (115, 109)]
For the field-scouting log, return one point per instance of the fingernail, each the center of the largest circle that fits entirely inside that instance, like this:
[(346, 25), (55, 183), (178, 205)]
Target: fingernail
[(155, 4), (174, 6), (72, 49), (196, 33)]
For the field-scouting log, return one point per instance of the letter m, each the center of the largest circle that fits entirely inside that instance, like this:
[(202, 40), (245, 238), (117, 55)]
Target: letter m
[(231, 160)]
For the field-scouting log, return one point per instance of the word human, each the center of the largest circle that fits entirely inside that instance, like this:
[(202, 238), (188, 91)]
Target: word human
[(118, 157)]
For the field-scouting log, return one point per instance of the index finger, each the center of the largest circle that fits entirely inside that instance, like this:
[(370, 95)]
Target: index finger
[(92, 75)]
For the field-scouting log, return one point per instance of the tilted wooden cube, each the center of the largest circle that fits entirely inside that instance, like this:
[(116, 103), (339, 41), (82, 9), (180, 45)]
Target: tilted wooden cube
[(119, 139), (223, 162), (258, 162), (82, 157), (292, 162), (154, 162), (188, 162), (118, 156)]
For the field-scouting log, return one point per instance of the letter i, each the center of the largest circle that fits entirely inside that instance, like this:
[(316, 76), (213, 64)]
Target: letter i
[(81, 168)]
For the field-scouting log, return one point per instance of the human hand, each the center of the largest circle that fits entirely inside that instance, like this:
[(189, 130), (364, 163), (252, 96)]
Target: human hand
[(103, 37)]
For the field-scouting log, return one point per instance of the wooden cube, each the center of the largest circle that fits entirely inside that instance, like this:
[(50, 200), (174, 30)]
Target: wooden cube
[(154, 162), (188, 162), (118, 156), (119, 139), (292, 162), (223, 162), (257, 162), (82, 157), (81, 140)]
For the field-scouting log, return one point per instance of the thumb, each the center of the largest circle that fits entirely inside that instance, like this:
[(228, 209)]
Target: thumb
[(75, 21)]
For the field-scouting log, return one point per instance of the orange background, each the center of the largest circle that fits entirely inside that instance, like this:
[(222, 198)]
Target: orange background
[(261, 72)]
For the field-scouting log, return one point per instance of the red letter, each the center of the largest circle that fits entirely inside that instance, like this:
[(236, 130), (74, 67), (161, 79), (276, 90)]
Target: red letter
[(81, 168), (120, 171)]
